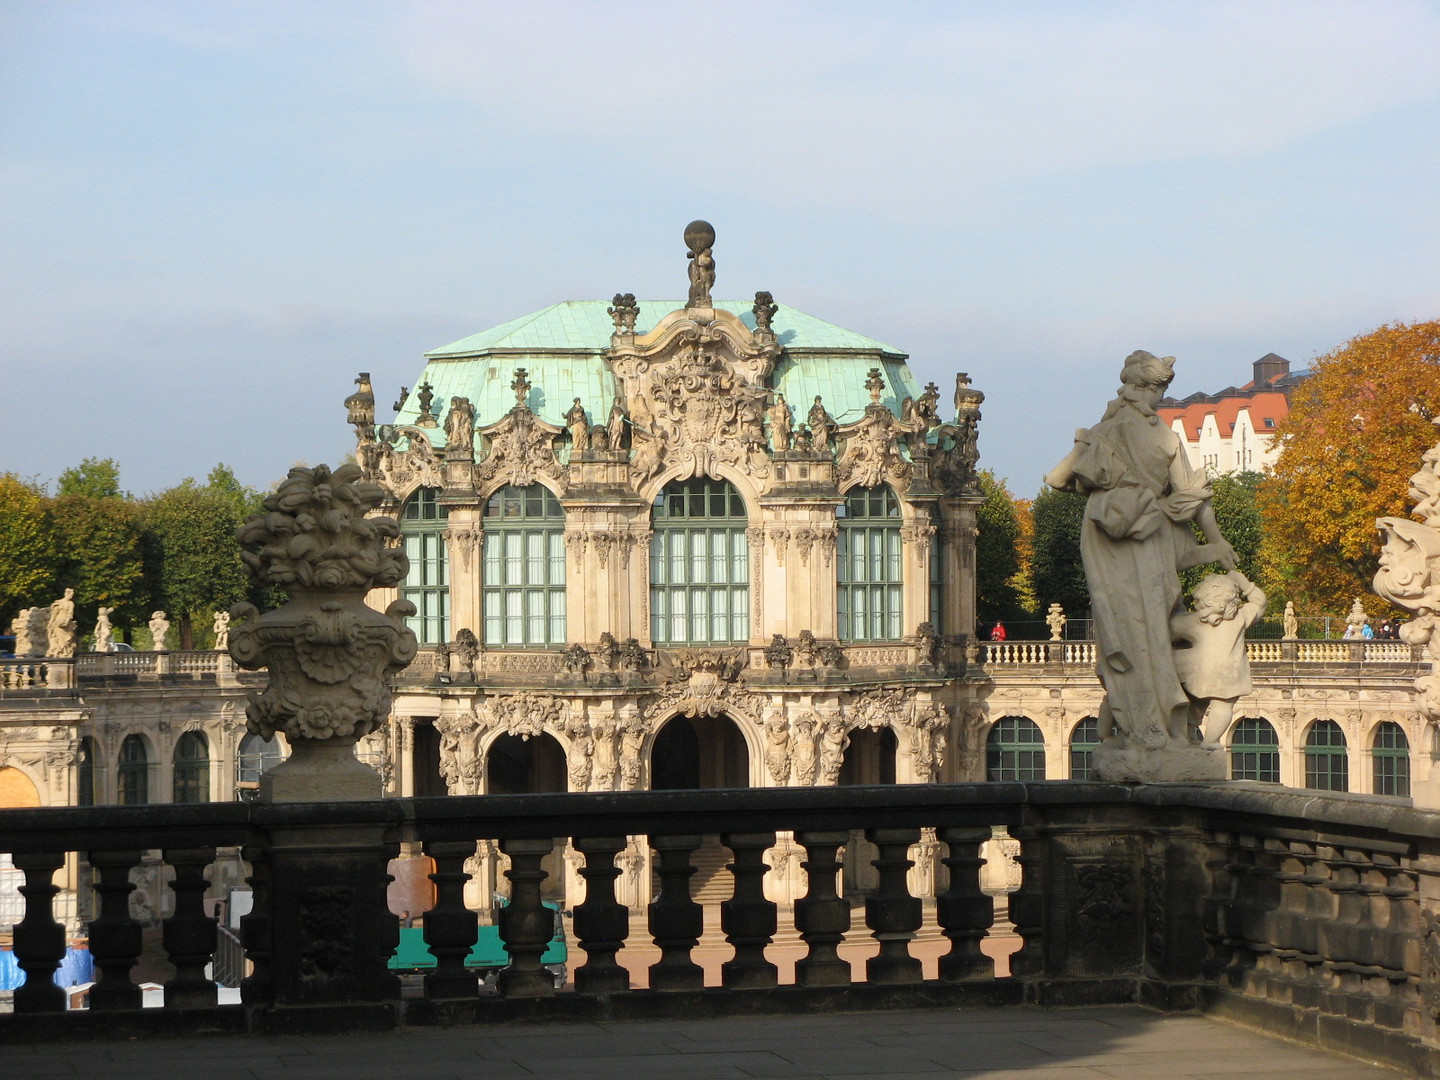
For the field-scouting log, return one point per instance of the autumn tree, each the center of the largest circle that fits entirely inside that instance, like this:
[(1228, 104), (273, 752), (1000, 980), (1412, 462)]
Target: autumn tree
[(1055, 570), (95, 478), (26, 565), (997, 551), (1356, 431)]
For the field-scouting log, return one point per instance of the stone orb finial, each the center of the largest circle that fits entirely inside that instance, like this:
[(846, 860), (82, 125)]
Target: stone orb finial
[(699, 235)]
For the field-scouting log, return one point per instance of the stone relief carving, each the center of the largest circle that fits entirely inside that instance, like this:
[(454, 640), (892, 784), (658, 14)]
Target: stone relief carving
[(834, 740), (464, 542), (804, 753), (929, 737), (460, 427), (1100, 895), (520, 447), (581, 758), (632, 741), (777, 748), (606, 760), (880, 708), (460, 762), (872, 444), (778, 653), (577, 660)]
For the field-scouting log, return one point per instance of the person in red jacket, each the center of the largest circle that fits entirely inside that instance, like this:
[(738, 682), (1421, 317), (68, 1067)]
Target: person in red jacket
[(997, 633)]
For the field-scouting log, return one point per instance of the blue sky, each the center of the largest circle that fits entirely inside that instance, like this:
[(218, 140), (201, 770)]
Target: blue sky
[(212, 215)]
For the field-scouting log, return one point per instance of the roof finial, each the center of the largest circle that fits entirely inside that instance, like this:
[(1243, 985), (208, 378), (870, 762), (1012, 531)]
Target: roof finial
[(699, 237), (521, 385)]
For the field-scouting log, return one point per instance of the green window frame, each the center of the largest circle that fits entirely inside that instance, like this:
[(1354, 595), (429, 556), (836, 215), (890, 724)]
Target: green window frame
[(699, 565), (869, 566), (191, 776), (1255, 751), (1084, 737), (132, 777), (1015, 750), (427, 585), (1327, 761), (1390, 754), (522, 585)]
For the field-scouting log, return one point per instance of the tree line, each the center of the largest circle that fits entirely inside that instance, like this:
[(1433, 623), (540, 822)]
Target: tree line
[(173, 551), (1356, 432)]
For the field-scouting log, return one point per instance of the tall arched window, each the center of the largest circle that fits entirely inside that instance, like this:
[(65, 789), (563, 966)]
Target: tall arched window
[(1015, 750), (868, 566), (85, 773), (256, 756), (132, 778), (523, 590), (1084, 737), (1255, 751), (192, 769), (427, 585), (1327, 763), (1390, 751), (699, 565)]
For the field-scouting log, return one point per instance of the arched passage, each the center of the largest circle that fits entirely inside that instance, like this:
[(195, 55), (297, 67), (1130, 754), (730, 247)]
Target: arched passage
[(870, 757), (16, 789), (693, 752), (518, 766)]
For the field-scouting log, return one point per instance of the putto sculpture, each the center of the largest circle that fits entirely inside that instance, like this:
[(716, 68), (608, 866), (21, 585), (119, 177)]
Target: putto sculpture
[(1136, 537), (328, 652), (159, 631)]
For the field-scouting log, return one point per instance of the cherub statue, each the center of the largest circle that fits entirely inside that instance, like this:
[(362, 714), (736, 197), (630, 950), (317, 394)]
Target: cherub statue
[(159, 630), (1209, 649), (221, 626)]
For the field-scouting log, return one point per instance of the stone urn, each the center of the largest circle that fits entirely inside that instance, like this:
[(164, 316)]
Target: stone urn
[(330, 655)]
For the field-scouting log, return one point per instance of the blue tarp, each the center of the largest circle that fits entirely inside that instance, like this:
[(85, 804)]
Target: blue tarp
[(76, 968)]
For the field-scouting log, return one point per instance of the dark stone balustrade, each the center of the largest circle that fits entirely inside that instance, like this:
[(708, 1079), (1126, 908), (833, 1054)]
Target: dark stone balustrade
[(1317, 917)]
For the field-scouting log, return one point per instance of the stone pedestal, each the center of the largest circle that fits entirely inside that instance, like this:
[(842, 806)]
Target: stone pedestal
[(320, 771), (1127, 763)]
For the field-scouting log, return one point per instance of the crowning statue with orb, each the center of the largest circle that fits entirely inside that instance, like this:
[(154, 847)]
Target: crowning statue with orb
[(1142, 498)]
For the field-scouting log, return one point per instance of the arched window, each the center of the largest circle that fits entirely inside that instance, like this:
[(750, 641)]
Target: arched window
[(1255, 751), (1084, 737), (132, 778), (699, 565), (523, 590), (192, 769), (85, 773), (1015, 750), (427, 585), (1327, 765), (519, 766), (256, 756), (867, 566), (1390, 750)]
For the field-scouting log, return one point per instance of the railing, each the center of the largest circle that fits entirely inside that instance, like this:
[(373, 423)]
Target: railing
[(1317, 914), (1032, 653)]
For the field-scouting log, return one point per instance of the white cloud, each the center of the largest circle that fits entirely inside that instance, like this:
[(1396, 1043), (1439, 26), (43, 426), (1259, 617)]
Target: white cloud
[(804, 105)]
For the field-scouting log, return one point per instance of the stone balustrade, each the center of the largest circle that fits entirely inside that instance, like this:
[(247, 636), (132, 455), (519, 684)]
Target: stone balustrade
[(1019, 654), (1316, 917)]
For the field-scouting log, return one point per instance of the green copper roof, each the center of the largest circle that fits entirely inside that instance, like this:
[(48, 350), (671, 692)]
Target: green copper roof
[(561, 349)]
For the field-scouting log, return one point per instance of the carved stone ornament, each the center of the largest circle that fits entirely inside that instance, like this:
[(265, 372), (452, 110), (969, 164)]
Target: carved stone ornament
[(525, 714), (1430, 964), (764, 310), (872, 452), (880, 708), (360, 408), (520, 446), (418, 465), (624, 313), (957, 445), (1101, 889), (330, 655), (705, 684)]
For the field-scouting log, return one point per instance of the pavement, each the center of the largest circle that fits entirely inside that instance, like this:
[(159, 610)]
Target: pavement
[(1121, 1042)]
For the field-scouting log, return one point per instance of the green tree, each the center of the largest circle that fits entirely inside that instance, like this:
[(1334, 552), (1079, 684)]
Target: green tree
[(193, 559), (1055, 568), (1237, 513), (997, 552), (99, 551), (95, 478), (26, 564)]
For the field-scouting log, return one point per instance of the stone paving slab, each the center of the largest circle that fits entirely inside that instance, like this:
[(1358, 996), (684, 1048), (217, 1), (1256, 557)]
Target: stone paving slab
[(1118, 1043)]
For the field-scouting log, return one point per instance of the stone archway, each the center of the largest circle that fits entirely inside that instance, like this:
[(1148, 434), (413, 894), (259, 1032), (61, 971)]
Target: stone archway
[(870, 757), (698, 752), (517, 766), (17, 791)]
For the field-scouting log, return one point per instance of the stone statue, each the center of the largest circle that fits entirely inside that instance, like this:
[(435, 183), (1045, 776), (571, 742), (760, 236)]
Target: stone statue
[(781, 419), (425, 395), (833, 743), (632, 742), (1356, 621), (399, 403), (822, 427), (1136, 537), (699, 237), (602, 777), (616, 425), (764, 309), (38, 624), (778, 653), (460, 425), (632, 655), (579, 425), (1209, 647), (804, 751), (360, 408), (60, 628), (582, 754), (20, 629), (927, 642), (1055, 619), (609, 651), (1290, 622), (807, 652), (624, 313), (777, 749), (159, 630), (103, 630), (221, 626)]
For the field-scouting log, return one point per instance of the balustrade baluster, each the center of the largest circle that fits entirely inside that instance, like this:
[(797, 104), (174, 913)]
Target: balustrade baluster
[(964, 912), (822, 916), (450, 927), (189, 934), (676, 921), (1027, 903), (601, 922), (748, 918), (891, 913), (257, 988), (115, 940), (39, 939), (526, 924)]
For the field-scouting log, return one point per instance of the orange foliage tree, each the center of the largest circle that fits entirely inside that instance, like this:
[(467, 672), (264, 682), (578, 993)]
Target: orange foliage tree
[(1356, 431)]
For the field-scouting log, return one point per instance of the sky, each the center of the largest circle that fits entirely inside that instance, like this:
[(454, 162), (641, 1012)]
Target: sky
[(213, 215)]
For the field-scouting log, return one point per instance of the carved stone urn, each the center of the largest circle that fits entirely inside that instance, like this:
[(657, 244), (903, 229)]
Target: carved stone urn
[(329, 654)]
